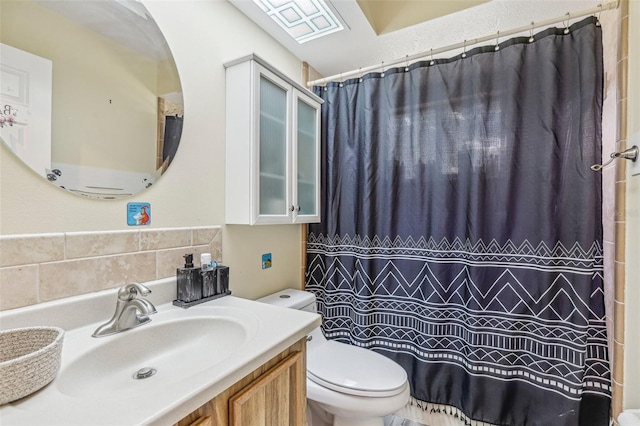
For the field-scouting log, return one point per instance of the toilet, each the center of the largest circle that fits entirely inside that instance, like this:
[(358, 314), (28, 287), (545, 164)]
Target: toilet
[(346, 385), (629, 418)]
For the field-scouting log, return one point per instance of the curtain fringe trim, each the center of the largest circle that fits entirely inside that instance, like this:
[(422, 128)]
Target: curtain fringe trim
[(449, 410)]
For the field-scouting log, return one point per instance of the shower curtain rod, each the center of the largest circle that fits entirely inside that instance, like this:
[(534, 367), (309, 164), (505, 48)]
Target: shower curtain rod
[(465, 44)]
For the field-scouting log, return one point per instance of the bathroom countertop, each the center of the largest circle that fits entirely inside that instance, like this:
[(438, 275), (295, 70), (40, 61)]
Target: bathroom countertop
[(277, 329)]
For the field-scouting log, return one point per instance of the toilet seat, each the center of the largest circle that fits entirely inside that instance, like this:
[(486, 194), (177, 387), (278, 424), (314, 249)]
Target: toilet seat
[(355, 371)]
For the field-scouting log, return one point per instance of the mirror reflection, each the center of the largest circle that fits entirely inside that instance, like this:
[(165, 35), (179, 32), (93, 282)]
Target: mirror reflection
[(90, 97)]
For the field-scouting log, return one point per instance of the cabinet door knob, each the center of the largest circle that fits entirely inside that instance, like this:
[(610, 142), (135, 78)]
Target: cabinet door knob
[(299, 208), (292, 208)]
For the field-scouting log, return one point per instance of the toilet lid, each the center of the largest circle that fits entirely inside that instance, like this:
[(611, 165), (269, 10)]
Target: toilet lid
[(353, 370)]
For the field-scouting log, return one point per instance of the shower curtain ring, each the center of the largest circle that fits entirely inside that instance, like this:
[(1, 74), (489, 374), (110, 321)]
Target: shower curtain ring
[(382, 66), (406, 63), (360, 72), (531, 39), (432, 61), (464, 49), (566, 26), (598, 17), (341, 82), (497, 42)]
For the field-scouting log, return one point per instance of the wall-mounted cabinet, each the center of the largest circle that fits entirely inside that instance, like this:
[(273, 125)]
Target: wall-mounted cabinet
[(272, 146)]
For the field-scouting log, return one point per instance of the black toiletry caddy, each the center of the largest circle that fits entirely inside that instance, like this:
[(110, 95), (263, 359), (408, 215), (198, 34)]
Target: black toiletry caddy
[(198, 285)]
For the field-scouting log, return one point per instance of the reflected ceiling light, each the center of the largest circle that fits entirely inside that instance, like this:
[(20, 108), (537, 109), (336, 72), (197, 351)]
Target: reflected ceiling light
[(303, 20)]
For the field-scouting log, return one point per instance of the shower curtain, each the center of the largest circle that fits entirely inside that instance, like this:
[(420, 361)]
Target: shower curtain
[(461, 228)]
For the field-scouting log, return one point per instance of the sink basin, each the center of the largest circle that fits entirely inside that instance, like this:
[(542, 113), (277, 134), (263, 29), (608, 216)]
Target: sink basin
[(176, 348)]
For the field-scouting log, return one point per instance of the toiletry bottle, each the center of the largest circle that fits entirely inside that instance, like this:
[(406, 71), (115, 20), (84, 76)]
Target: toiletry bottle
[(222, 279), (208, 273), (189, 281)]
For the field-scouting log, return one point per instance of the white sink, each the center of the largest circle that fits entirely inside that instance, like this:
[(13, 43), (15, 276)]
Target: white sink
[(176, 348), (197, 352)]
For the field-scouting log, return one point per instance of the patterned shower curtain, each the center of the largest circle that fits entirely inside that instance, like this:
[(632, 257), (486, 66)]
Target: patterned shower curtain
[(461, 227)]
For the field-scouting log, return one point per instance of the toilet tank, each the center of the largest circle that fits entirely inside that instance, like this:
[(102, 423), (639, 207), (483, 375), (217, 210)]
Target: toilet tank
[(293, 299)]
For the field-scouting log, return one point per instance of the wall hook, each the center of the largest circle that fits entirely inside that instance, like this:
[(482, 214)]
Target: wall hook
[(628, 154)]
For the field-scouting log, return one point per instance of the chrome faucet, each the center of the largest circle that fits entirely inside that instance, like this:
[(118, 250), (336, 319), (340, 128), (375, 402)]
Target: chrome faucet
[(131, 311)]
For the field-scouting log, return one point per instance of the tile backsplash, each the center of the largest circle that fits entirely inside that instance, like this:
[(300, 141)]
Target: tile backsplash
[(43, 267)]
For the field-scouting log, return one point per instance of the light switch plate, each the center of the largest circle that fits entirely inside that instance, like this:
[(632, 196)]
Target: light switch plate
[(634, 166)]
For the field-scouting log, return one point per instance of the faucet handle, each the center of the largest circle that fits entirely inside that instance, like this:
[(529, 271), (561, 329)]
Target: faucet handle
[(129, 292)]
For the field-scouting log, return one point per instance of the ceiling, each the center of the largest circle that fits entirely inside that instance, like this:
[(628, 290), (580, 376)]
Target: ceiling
[(376, 31), (386, 16), (380, 31)]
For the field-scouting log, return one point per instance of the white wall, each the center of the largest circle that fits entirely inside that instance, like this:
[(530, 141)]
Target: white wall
[(202, 35)]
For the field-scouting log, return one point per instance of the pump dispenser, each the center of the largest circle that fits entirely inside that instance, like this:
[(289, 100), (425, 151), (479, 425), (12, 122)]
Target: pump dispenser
[(189, 281), (208, 273)]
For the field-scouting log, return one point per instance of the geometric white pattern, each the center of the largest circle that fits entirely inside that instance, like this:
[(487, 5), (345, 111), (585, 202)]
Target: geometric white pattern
[(437, 311), (575, 259)]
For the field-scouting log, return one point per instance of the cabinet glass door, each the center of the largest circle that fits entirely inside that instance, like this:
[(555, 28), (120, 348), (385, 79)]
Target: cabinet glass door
[(273, 148), (307, 158)]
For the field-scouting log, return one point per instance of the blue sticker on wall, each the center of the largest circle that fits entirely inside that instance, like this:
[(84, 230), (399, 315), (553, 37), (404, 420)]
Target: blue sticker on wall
[(266, 261), (138, 214)]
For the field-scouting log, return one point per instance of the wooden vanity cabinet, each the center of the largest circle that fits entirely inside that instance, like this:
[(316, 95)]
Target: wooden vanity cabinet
[(272, 395)]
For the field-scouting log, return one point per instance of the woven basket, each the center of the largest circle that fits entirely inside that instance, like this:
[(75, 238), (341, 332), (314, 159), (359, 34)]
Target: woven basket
[(29, 360)]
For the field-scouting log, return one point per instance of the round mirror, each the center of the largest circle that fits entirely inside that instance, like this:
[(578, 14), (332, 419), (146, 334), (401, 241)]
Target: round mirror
[(90, 97)]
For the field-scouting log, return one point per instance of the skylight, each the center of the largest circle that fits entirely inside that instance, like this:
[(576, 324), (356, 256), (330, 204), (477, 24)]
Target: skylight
[(303, 20)]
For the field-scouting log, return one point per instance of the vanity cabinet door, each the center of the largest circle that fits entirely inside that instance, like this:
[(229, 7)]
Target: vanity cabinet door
[(276, 398), (274, 394), (202, 421)]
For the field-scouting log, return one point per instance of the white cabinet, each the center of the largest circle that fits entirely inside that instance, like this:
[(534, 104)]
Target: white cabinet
[(272, 146)]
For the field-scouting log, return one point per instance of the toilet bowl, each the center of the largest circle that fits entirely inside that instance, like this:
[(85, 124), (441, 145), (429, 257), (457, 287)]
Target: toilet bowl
[(629, 418), (346, 385)]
